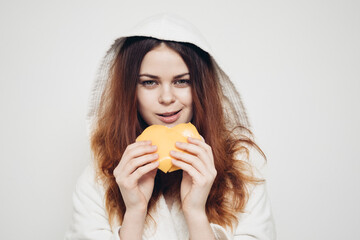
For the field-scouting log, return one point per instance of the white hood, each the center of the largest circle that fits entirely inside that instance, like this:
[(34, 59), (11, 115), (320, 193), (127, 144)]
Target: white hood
[(169, 27)]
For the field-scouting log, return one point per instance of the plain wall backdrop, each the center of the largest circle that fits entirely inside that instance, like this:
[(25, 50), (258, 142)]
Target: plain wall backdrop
[(296, 64)]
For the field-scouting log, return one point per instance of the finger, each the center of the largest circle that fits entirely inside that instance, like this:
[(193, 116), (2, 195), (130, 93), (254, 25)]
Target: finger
[(201, 144), (131, 181), (137, 151), (190, 159), (142, 150), (197, 150), (194, 174), (204, 146), (135, 163), (143, 170), (136, 144), (132, 151)]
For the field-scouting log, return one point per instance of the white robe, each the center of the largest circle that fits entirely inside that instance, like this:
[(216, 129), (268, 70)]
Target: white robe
[(90, 220)]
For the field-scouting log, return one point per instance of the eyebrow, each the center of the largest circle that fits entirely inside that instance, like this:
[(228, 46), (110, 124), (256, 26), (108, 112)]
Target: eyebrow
[(156, 77)]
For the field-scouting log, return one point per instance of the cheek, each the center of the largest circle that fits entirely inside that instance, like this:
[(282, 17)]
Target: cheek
[(189, 104), (141, 97), (186, 98), (145, 101)]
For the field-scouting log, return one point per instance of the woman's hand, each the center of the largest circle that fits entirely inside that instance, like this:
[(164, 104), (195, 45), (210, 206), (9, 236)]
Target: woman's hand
[(135, 175), (199, 174)]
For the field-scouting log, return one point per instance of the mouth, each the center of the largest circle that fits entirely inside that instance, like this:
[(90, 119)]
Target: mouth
[(169, 117)]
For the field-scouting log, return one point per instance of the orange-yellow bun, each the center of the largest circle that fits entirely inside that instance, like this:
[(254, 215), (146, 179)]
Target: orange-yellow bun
[(164, 138)]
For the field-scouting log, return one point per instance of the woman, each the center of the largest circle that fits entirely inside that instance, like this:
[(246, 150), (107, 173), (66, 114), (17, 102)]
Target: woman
[(162, 73)]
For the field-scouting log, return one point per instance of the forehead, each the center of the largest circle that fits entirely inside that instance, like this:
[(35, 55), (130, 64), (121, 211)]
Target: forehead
[(163, 60)]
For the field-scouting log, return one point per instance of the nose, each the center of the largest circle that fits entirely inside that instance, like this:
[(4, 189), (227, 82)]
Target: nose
[(166, 95)]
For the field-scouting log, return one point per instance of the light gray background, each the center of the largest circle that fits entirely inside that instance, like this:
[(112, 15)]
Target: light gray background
[(296, 64)]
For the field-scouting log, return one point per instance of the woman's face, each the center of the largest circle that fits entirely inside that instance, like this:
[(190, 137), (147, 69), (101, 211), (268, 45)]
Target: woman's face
[(163, 90)]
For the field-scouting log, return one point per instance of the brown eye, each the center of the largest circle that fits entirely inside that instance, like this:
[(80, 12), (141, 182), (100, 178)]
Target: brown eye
[(182, 82), (148, 83)]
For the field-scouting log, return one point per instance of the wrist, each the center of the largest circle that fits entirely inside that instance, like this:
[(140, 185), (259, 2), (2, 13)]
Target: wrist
[(195, 214), (198, 225), (133, 224), (138, 212), (193, 210)]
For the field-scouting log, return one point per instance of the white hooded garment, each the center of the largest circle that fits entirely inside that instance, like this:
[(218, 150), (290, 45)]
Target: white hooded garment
[(90, 219)]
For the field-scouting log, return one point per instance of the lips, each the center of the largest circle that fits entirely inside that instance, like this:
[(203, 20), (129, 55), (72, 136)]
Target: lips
[(168, 114), (169, 117)]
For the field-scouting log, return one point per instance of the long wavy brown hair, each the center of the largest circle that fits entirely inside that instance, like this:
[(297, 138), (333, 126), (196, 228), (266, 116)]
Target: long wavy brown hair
[(119, 123)]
